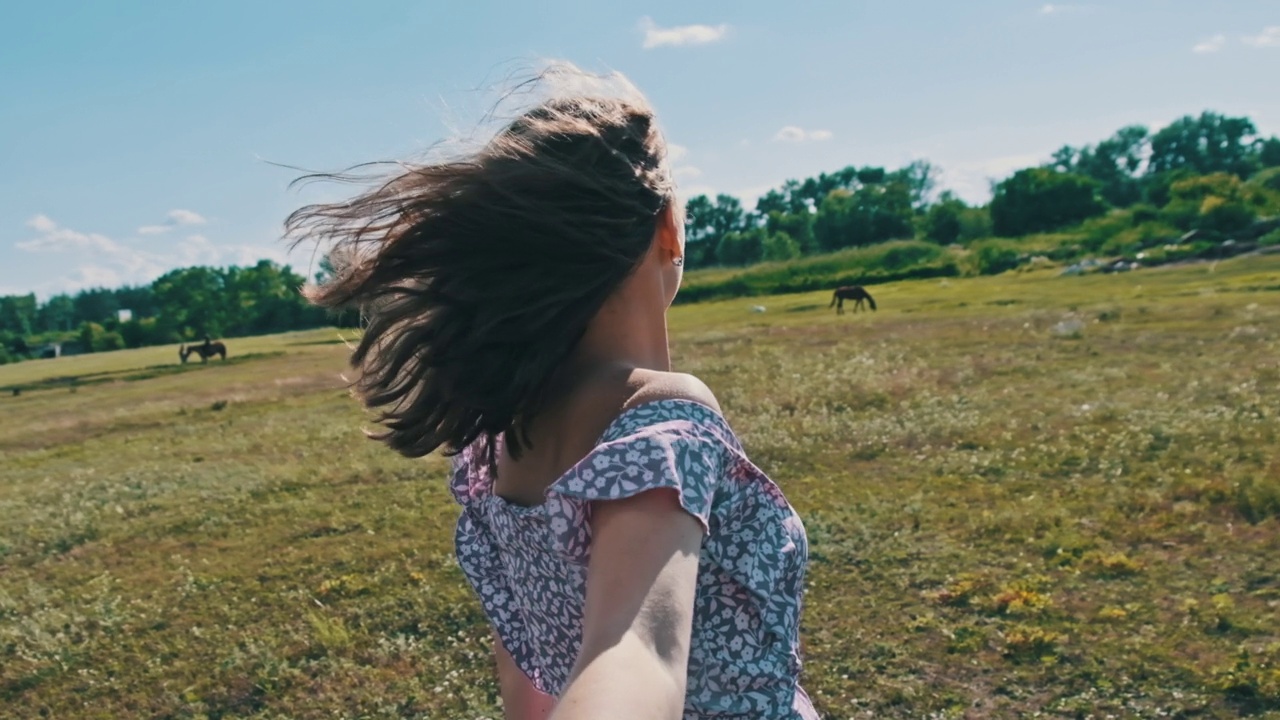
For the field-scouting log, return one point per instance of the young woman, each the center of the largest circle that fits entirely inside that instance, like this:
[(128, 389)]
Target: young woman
[(632, 561)]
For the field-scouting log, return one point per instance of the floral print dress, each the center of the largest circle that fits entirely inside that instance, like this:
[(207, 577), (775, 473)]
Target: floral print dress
[(529, 564)]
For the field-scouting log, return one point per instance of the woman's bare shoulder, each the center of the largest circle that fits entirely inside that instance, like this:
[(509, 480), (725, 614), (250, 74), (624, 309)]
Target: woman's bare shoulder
[(652, 386)]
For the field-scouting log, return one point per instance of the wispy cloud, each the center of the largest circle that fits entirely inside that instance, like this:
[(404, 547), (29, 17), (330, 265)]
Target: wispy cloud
[(54, 238), (1269, 37), (795, 134), (175, 218), (655, 36), (1211, 45), (107, 263), (1063, 9)]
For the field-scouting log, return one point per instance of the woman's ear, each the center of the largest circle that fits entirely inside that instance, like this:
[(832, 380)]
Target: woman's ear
[(670, 231)]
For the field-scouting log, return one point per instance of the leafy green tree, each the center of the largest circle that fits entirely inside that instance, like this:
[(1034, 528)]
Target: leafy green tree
[(871, 214), (975, 224), (1115, 163), (798, 226), (193, 300), (58, 314), (18, 313), (920, 177), (707, 222), (942, 221), (1040, 199), (94, 338), (780, 246), (95, 305), (1268, 152), (1207, 144), (741, 247)]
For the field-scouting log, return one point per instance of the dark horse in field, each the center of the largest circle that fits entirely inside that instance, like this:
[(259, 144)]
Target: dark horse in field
[(856, 293), (206, 350)]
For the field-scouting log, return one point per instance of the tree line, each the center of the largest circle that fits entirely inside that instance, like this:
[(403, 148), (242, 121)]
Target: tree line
[(179, 306), (1188, 175), (1133, 191)]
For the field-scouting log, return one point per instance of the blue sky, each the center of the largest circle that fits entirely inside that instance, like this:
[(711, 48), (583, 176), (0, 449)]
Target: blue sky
[(135, 136)]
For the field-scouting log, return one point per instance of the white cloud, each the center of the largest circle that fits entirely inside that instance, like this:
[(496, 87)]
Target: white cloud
[(676, 152), (1269, 37), (687, 171), (655, 36), (59, 239), (107, 263), (1212, 45), (185, 217), (42, 223), (795, 134), (197, 250), (173, 219), (1060, 9)]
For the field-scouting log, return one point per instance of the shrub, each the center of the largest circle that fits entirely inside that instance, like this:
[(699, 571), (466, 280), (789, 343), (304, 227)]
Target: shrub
[(992, 257)]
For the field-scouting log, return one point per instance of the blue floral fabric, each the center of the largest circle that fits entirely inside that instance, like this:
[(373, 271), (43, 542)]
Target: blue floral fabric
[(528, 564)]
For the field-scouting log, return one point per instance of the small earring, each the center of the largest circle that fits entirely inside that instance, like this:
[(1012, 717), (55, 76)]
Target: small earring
[(678, 261)]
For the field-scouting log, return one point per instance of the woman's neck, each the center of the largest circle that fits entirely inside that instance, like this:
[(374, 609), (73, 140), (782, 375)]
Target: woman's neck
[(629, 330)]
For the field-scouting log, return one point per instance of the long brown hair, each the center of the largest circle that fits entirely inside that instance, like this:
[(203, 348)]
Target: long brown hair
[(477, 275)]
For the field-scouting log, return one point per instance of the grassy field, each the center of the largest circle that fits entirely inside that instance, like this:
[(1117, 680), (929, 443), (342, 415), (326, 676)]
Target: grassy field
[(1025, 494)]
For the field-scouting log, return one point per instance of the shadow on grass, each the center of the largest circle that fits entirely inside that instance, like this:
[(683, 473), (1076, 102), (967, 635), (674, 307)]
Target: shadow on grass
[(132, 374)]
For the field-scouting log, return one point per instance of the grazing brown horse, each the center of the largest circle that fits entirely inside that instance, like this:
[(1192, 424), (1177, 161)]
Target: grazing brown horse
[(856, 293), (205, 351)]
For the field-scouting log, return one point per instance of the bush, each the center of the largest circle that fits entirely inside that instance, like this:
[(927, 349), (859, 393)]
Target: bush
[(992, 257), (1219, 203), (1131, 240), (975, 224), (1271, 238), (1268, 179), (94, 338), (1224, 216), (1095, 233)]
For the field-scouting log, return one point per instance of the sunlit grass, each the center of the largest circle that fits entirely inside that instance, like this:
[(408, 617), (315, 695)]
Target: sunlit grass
[(1003, 520)]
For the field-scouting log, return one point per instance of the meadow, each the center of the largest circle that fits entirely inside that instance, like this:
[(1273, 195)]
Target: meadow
[(1026, 495)]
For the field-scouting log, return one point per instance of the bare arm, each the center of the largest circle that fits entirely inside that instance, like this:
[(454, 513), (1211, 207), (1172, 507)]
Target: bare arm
[(639, 611), (520, 699)]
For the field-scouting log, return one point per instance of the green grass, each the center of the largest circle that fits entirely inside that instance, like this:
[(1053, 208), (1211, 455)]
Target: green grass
[(1004, 519)]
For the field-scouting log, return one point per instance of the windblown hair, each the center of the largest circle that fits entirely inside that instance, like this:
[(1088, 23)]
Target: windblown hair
[(477, 276)]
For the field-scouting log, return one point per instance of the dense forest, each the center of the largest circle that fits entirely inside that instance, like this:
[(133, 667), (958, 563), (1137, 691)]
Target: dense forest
[(1204, 186)]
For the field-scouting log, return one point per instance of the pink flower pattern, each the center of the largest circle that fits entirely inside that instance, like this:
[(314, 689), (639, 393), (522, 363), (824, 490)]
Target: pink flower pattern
[(528, 564)]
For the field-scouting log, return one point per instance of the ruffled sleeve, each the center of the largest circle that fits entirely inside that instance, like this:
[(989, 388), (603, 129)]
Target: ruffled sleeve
[(673, 445)]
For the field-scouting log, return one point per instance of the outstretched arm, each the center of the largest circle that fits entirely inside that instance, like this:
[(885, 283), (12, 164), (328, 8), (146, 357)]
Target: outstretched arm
[(638, 619)]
